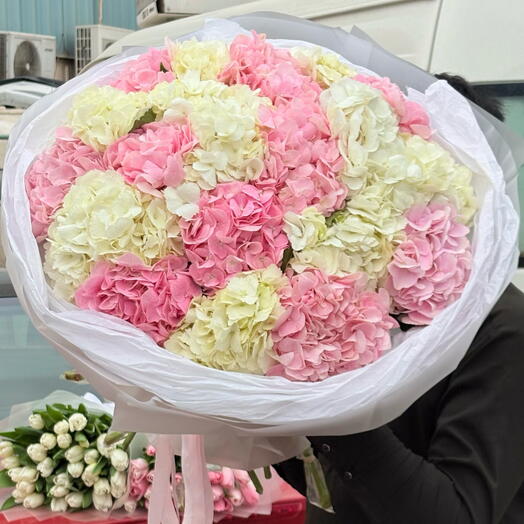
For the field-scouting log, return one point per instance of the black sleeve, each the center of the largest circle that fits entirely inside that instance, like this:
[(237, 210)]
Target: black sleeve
[(475, 463)]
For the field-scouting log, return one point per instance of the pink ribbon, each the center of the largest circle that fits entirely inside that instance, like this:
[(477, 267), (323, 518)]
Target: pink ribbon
[(198, 495), (198, 505), (163, 506)]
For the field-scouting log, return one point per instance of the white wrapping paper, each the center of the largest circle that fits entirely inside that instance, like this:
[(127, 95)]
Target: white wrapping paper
[(248, 420)]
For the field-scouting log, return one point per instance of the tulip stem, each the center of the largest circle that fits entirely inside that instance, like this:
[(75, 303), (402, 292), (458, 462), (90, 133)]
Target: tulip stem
[(127, 442), (113, 438), (256, 482)]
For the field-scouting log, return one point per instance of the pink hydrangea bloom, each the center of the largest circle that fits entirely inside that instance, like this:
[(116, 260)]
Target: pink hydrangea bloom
[(258, 64), (154, 299), (412, 116), (431, 267), (51, 175), (330, 325), (152, 156), (237, 228), (145, 72), (302, 160)]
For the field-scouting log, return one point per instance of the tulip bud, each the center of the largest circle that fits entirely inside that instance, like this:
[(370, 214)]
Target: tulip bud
[(102, 502), (61, 428), (75, 454), (46, 467), (28, 474), (249, 493), (10, 462), (91, 456), (103, 449), (119, 459), (130, 506), (36, 422), (241, 476), (62, 479), (118, 484), (37, 453), (48, 440), (236, 497), (75, 469), (14, 474), (33, 501), (74, 500), (150, 451), (58, 505), (228, 478), (18, 496), (58, 491), (102, 487), (77, 422), (5, 444), (88, 476), (64, 440), (6, 450), (150, 477), (218, 492), (25, 487)]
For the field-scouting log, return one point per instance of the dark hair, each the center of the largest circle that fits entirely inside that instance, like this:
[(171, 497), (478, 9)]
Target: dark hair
[(488, 102)]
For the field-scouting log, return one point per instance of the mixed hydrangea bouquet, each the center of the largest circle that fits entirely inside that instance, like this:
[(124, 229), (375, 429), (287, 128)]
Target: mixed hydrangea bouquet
[(256, 239), (252, 208)]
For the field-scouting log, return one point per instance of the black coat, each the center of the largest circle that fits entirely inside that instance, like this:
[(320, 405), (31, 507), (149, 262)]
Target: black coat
[(456, 456)]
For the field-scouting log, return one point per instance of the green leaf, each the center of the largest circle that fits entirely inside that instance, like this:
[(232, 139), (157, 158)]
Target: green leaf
[(87, 499), (60, 407), (286, 257), (80, 437), (59, 455), (5, 481), (9, 503), (82, 409), (61, 469), (49, 483), (54, 414), (106, 419), (148, 117), (26, 461), (99, 466), (90, 428), (48, 421), (39, 485)]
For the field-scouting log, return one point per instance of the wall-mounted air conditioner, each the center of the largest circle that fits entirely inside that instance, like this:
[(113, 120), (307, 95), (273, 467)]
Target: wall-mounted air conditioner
[(91, 40), (154, 12), (24, 54)]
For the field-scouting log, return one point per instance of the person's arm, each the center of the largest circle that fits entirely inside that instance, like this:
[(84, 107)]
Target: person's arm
[(475, 463)]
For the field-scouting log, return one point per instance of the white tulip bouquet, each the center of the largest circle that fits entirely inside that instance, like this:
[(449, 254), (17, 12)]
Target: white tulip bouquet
[(62, 460)]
